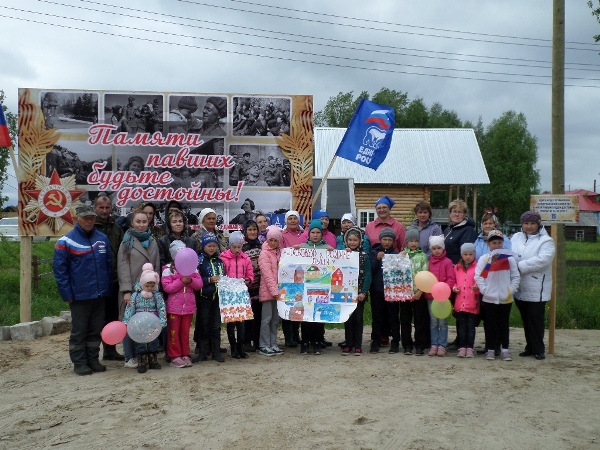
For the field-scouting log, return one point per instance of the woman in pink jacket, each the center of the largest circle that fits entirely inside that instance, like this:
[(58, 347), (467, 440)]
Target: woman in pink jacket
[(237, 265), (269, 291), (466, 303), (181, 306)]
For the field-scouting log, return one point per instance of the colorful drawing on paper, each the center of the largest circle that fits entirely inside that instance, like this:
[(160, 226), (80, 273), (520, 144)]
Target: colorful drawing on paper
[(397, 278), (234, 300), (317, 286)]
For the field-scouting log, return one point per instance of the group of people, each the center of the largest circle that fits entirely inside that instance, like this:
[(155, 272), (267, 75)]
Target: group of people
[(254, 120), (108, 274), (272, 171)]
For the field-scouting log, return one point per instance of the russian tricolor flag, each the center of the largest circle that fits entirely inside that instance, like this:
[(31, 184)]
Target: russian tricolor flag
[(4, 134)]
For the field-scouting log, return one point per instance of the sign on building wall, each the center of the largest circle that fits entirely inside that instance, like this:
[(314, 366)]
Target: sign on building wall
[(556, 208), (317, 285), (234, 153)]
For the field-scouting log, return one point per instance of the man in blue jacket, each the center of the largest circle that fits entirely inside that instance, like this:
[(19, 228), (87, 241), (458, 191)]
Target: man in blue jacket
[(82, 268)]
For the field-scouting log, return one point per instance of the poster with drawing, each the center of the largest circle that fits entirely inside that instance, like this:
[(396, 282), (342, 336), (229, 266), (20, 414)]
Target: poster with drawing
[(397, 278), (317, 285), (234, 300)]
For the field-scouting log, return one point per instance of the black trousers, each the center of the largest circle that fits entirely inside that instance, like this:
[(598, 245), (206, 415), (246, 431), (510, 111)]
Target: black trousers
[(465, 328), (353, 327), (87, 321), (533, 316), (209, 319), (252, 330), (231, 336), (419, 310), (496, 326), (312, 332)]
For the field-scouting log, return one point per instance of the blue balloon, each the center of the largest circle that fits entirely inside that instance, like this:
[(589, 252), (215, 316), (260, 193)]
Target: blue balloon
[(144, 327)]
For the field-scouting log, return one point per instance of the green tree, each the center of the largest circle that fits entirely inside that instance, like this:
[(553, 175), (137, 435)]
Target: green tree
[(509, 151), (415, 115), (443, 118), (11, 121), (339, 110), (596, 14)]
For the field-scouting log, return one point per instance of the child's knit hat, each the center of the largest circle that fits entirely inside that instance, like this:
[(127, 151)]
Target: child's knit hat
[(437, 240), (387, 232), (412, 234), (148, 275), (236, 238), (175, 246), (274, 232), (315, 223), (356, 232), (208, 237), (467, 247)]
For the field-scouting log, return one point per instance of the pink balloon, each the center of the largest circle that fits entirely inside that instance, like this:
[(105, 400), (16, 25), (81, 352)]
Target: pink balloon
[(114, 332), (186, 261), (440, 291)]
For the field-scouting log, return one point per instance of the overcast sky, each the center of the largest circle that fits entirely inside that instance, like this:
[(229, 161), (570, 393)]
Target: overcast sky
[(479, 58)]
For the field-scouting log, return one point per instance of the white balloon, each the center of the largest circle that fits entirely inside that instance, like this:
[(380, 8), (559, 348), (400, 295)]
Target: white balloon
[(144, 327)]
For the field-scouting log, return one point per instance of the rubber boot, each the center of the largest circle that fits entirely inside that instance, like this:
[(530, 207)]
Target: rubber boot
[(234, 348), (242, 354), (153, 361), (142, 363), (109, 353), (216, 351), (203, 349)]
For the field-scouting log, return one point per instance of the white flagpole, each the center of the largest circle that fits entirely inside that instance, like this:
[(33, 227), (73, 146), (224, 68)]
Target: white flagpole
[(322, 182)]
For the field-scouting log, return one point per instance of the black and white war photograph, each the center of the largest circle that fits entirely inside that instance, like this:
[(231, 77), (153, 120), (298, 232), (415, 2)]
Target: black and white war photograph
[(134, 112), (257, 201), (260, 165), (205, 115), (261, 116), (69, 111), (72, 157)]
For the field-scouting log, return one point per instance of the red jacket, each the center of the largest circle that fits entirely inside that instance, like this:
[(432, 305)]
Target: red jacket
[(466, 300), (181, 299), (443, 269), (237, 266)]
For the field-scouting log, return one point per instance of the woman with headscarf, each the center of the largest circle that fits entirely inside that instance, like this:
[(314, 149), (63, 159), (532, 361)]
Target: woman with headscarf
[(137, 248), (208, 222), (534, 251), (383, 208), (348, 221), (328, 236), (291, 236), (425, 224), (489, 222)]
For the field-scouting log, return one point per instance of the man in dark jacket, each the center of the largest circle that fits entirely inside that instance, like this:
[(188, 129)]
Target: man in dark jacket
[(83, 268), (106, 224)]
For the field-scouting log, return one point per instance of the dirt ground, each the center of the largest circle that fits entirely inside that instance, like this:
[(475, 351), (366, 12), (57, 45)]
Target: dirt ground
[(295, 401)]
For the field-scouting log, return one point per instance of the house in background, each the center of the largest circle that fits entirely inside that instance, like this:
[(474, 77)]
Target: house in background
[(588, 227), (420, 161)]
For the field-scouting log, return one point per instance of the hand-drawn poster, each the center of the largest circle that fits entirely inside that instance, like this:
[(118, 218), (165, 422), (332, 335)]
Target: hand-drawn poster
[(397, 278), (237, 154), (234, 300), (317, 285)]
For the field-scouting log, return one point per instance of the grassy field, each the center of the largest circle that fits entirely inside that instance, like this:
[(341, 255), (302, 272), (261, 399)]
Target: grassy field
[(579, 310)]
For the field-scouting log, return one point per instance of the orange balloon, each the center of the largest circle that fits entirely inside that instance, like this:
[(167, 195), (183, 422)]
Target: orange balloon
[(425, 280)]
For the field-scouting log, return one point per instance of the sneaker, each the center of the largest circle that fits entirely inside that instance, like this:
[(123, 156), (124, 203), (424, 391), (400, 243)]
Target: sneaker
[(490, 355), (409, 351), (441, 351), (266, 351), (540, 356), (346, 351), (276, 350), (394, 347), (433, 350), (187, 360), (317, 349), (470, 353), (506, 355), (178, 362), (526, 353), (384, 341), (131, 364), (357, 351), (304, 349), (419, 352), (462, 352)]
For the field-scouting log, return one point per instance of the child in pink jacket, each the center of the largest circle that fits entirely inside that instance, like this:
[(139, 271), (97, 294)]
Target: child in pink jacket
[(441, 266), (268, 293), (181, 306), (237, 265), (466, 303)]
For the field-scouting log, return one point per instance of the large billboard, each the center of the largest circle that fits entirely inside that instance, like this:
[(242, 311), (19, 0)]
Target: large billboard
[(235, 153)]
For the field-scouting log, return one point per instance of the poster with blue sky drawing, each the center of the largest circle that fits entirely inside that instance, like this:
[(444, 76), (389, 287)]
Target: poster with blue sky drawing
[(317, 285)]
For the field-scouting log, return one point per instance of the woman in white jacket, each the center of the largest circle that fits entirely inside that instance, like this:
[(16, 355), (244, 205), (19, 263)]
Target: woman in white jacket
[(534, 251)]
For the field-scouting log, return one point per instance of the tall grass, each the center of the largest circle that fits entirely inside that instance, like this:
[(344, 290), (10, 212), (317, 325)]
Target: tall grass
[(579, 310)]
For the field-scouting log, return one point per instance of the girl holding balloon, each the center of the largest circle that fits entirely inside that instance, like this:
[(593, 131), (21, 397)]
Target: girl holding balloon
[(179, 280), (466, 303)]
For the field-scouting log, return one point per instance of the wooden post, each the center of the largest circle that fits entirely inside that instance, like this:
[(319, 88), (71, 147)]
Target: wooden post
[(475, 215), (25, 290), (558, 159), (36, 271)]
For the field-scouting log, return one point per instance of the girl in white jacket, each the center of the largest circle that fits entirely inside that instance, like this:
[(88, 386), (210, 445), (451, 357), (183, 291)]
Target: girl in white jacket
[(497, 277)]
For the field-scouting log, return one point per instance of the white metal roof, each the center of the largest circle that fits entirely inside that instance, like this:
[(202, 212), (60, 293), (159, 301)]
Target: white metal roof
[(417, 156)]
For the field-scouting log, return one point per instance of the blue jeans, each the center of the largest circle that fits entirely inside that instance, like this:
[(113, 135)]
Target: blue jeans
[(439, 329), (149, 347), (128, 348)]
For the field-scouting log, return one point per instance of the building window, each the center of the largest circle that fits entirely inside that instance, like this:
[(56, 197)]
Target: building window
[(365, 216)]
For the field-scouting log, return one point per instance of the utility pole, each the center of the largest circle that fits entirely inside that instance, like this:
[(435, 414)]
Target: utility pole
[(558, 158)]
